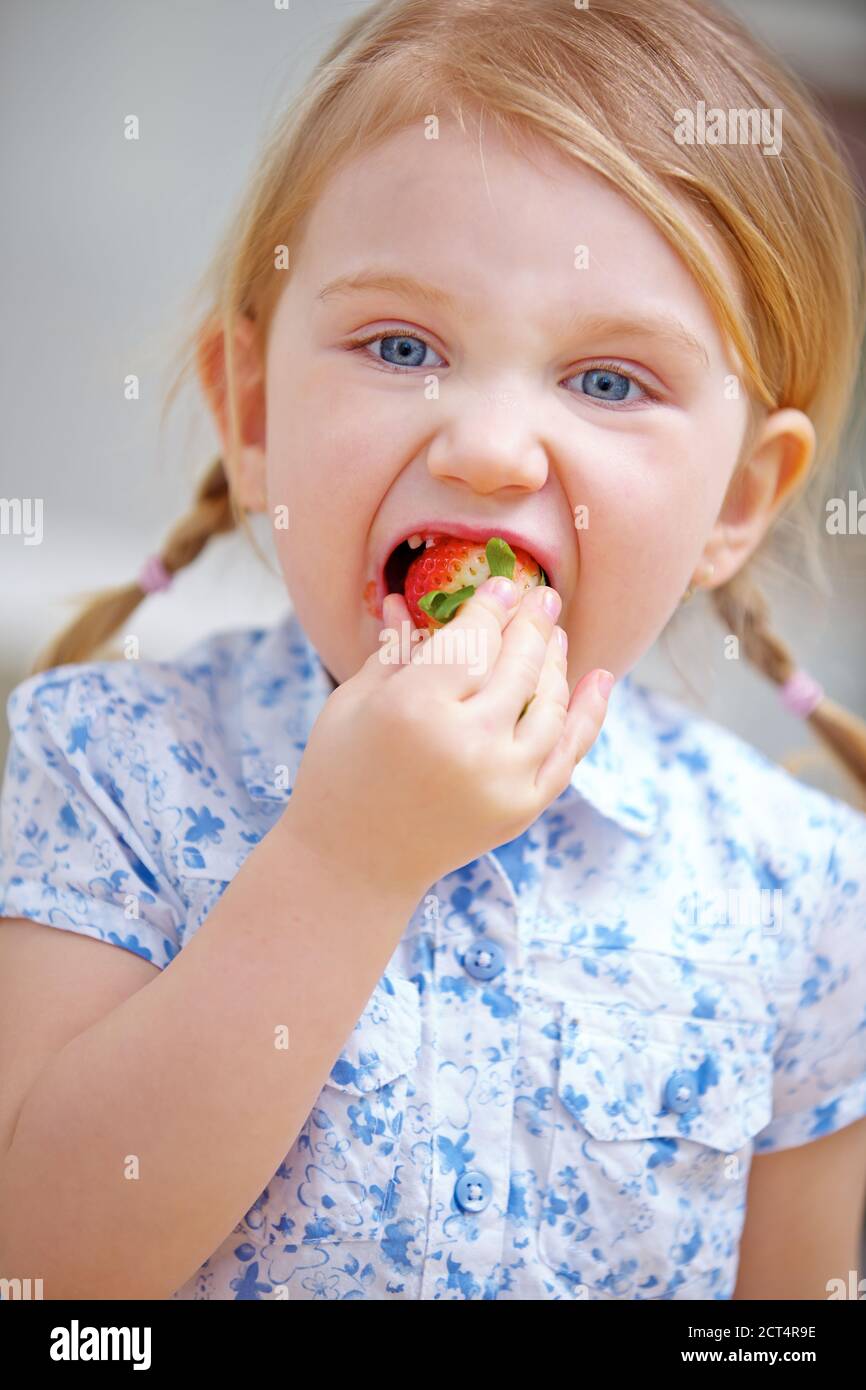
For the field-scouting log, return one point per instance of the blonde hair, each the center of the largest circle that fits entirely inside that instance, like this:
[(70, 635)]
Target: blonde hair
[(603, 85)]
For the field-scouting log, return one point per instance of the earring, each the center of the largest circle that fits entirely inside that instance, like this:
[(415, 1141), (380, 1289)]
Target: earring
[(706, 573)]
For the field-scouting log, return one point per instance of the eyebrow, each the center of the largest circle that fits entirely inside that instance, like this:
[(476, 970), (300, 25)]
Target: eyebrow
[(658, 326), (662, 326), (390, 282)]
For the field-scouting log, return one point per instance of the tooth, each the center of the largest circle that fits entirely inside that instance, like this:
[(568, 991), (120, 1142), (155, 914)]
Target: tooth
[(414, 541), (431, 540)]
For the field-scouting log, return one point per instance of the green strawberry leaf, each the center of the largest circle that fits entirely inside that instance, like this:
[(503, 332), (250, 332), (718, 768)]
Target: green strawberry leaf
[(427, 601), (442, 606), (500, 557)]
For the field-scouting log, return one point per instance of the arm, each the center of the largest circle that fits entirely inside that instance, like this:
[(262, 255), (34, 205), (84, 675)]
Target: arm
[(804, 1218), (183, 1069)]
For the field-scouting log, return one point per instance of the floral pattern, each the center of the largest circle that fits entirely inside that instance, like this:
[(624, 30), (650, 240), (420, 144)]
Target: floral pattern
[(582, 1038)]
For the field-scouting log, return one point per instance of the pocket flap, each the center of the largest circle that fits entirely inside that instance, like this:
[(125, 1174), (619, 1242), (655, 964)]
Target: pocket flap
[(630, 1075), (385, 1041)]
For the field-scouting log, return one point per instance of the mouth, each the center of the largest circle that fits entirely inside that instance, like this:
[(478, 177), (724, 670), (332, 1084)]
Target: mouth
[(394, 568), (401, 557)]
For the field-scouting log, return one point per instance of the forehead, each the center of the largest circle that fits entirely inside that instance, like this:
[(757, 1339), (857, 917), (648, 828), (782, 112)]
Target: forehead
[(495, 225)]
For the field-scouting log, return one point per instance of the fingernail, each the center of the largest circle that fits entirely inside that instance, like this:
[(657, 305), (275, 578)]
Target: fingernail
[(551, 602), (505, 590), (562, 638), (604, 683)]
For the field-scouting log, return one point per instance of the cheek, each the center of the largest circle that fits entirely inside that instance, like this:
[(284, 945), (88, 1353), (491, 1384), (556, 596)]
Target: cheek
[(327, 442), (652, 501), (329, 463), (653, 498)]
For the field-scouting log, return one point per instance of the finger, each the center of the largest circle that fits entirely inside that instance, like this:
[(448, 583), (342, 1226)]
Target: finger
[(515, 676), (460, 655), (586, 713), (553, 672), (389, 637), (411, 637), (394, 646), (542, 723)]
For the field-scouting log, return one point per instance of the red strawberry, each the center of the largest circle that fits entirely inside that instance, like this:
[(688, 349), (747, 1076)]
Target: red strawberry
[(448, 572)]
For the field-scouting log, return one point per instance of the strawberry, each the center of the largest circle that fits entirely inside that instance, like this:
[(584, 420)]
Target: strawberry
[(448, 571)]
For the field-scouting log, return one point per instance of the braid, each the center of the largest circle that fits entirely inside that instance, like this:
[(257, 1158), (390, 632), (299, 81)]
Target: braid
[(744, 611), (212, 512)]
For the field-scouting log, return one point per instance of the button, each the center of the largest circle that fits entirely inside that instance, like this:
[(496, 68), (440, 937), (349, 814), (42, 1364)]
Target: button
[(681, 1091), (473, 1190), (484, 959)]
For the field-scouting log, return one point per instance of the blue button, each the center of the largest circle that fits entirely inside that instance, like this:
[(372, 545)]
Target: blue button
[(681, 1090), (484, 959), (473, 1190)]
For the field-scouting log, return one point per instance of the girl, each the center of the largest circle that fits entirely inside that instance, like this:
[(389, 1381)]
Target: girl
[(469, 996)]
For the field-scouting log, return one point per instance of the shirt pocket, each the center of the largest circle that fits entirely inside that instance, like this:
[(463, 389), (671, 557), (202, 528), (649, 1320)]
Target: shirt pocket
[(655, 1117), (348, 1155)]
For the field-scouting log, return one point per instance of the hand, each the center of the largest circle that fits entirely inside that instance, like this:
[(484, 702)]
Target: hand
[(415, 768)]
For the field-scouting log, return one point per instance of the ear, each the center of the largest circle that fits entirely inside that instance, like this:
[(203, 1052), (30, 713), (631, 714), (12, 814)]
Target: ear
[(249, 476), (777, 462)]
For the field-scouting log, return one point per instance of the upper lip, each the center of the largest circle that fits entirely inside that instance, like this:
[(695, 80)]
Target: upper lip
[(473, 531)]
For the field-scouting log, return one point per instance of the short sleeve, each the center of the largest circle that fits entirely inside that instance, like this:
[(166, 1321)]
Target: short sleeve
[(820, 1057), (71, 853)]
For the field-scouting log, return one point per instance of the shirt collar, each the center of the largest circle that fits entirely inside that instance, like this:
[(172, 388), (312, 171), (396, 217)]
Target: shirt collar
[(285, 684), (618, 776)]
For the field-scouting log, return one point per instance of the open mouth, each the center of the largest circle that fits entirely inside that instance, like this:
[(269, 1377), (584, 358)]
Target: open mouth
[(437, 569), (398, 562)]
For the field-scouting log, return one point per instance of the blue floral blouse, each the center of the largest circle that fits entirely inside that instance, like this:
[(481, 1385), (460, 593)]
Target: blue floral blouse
[(558, 1083)]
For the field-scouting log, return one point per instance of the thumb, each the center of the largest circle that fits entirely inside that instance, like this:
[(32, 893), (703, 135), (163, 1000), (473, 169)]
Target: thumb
[(395, 610)]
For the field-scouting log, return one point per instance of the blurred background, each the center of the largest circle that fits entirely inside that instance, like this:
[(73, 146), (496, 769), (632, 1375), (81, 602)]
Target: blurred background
[(104, 239)]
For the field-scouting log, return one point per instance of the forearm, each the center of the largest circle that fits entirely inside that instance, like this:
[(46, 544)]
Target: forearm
[(187, 1078)]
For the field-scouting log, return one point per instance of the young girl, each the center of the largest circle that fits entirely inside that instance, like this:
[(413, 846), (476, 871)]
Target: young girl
[(477, 988)]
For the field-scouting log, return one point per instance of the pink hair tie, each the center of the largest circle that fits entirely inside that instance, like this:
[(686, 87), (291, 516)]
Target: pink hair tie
[(154, 576), (801, 693)]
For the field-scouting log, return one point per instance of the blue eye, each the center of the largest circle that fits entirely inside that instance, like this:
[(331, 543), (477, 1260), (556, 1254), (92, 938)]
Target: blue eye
[(400, 349), (604, 382), (607, 384)]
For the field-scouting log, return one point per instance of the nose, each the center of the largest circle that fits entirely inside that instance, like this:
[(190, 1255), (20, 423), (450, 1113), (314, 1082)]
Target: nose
[(489, 444)]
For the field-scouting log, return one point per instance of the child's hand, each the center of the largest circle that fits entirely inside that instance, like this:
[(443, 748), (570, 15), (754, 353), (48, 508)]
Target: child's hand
[(415, 769)]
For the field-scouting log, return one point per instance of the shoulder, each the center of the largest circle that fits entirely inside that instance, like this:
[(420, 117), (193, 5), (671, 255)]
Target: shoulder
[(92, 711), (127, 727), (744, 820), (125, 766), (748, 806), (121, 686)]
